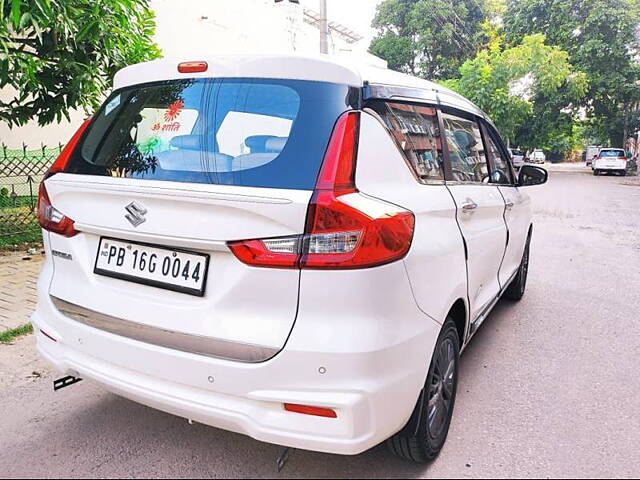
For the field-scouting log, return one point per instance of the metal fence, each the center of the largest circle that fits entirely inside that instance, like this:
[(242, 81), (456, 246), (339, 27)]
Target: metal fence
[(21, 171)]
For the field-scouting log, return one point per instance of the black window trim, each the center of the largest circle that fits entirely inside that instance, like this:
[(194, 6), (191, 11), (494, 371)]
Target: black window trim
[(489, 132)]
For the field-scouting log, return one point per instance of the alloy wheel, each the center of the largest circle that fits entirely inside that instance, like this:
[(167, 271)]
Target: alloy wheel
[(441, 389)]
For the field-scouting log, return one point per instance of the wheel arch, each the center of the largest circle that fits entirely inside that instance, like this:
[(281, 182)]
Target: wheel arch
[(459, 313)]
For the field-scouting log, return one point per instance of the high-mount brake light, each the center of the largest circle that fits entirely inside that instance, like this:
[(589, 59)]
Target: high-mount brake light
[(192, 67), (48, 216), (344, 228)]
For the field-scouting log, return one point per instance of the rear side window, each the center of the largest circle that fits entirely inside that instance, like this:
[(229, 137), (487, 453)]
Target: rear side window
[(466, 150), (245, 132), (415, 129)]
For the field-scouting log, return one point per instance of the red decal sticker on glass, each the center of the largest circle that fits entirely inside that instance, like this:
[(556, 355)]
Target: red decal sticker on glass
[(173, 111), (171, 127)]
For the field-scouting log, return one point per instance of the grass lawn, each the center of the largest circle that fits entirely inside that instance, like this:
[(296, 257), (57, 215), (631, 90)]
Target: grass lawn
[(49, 155), (8, 335), (18, 225), (21, 201)]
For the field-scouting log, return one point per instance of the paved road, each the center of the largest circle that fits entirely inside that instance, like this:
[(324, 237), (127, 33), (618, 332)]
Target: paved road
[(18, 275), (548, 387)]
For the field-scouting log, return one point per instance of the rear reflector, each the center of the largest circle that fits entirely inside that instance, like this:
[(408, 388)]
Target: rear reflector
[(48, 336), (307, 410), (192, 67), (344, 229)]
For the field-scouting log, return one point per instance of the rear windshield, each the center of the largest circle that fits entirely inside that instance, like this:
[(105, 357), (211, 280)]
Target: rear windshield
[(611, 153), (516, 152), (245, 132)]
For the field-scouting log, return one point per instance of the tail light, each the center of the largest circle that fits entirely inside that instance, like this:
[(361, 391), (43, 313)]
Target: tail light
[(48, 216), (51, 219), (344, 228)]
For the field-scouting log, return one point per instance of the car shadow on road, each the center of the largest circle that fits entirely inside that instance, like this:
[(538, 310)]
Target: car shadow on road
[(133, 437)]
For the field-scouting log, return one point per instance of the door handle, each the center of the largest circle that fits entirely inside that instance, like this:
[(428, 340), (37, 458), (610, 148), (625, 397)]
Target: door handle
[(509, 205), (469, 206)]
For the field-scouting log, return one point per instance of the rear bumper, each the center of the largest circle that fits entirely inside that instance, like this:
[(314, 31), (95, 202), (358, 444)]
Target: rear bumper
[(373, 390), (604, 167)]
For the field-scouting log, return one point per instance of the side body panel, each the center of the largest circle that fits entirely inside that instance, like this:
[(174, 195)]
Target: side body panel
[(517, 216), (436, 262), (485, 234)]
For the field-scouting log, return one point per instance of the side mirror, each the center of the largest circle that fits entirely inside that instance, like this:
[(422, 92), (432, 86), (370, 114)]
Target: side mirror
[(530, 175)]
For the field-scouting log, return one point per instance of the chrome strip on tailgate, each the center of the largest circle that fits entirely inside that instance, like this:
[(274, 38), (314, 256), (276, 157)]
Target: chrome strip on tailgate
[(211, 347)]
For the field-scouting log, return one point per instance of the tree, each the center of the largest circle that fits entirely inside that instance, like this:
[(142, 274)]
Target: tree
[(428, 38), (62, 55), (529, 90), (601, 39)]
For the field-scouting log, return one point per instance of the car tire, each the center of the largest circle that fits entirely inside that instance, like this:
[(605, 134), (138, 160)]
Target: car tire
[(425, 433), (515, 290), (595, 172)]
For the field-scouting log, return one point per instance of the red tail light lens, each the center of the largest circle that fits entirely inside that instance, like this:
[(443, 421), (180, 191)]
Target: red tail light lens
[(308, 410), (274, 252), (355, 231), (63, 159), (339, 166), (49, 218), (344, 229)]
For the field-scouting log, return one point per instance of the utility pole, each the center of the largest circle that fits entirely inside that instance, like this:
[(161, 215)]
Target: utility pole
[(324, 27)]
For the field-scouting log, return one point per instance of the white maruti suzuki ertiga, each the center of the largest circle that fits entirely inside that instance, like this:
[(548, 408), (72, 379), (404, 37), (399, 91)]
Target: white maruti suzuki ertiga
[(281, 246)]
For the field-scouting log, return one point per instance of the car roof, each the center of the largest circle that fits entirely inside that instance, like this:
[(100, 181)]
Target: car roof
[(325, 68)]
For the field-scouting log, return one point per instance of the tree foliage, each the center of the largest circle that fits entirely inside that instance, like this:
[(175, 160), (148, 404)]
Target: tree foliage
[(530, 91), (601, 37), (428, 38), (62, 54)]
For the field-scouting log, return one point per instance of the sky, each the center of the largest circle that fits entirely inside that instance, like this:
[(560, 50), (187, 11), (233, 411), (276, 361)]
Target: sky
[(354, 14)]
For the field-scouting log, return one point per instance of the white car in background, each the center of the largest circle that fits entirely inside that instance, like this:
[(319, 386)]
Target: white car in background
[(537, 156), (591, 153), (282, 246), (611, 160), (517, 157)]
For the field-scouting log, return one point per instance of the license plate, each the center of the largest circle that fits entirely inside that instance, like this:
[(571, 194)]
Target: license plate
[(171, 269)]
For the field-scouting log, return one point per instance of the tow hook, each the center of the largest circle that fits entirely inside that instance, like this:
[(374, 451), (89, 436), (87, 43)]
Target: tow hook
[(65, 382)]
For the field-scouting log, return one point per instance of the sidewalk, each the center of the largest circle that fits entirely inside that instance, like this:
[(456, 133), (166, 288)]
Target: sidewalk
[(18, 288)]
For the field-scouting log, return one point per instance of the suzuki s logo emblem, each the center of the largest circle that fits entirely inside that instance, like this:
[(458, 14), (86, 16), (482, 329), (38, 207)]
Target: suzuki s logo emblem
[(136, 213)]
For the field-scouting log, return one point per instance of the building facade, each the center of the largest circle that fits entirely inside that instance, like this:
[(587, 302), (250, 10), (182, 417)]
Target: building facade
[(187, 28)]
